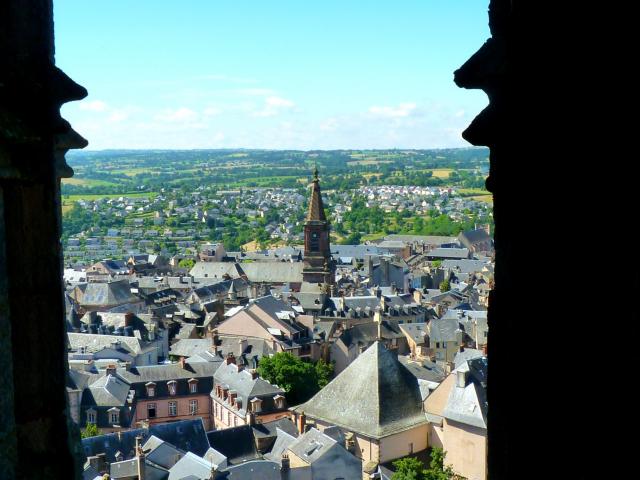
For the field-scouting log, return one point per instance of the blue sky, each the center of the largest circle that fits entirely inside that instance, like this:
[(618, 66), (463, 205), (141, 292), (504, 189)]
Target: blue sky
[(270, 74)]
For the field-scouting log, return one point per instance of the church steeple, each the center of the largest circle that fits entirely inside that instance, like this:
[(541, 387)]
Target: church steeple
[(318, 265), (316, 208)]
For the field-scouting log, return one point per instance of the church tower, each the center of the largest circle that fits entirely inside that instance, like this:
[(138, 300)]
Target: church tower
[(318, 265)]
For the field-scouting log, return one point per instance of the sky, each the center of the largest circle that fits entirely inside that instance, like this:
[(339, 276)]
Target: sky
[(300, 74)]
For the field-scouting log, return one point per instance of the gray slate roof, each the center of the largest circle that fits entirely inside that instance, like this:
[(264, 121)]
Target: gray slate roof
[(377, 396), (274, 272), (108, 294), (187, 435), (469, 405)]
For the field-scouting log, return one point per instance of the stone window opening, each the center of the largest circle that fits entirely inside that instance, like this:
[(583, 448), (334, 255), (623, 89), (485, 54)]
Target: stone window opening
[(151, 389), (173, 409), (172, 386), (151, 410)]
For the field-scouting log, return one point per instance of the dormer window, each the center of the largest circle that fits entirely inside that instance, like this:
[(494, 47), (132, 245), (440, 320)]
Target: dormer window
[(114, 416), (151, 389), (279, 401), (91, 416), (256, 405), (193, 385), (173, 386)]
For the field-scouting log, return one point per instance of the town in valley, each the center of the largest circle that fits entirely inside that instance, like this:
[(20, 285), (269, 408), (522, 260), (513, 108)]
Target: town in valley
[(259, 314)]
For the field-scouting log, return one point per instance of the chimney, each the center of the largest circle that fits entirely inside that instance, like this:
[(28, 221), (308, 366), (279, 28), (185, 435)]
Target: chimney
[(254, 373), (284, 463), (182, 362), (461, 379), (128, 319), (302, 421), (242, 346), (394, 289), (110, 370), (251, 418), (461, 347), (417, 296), (230, 358), (140, 456), (377, 318), (349, 442)]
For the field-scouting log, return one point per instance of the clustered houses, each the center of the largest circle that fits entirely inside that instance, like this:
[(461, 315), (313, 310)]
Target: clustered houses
[(147, 348), (419, 200), (141, 225), (241, 397)]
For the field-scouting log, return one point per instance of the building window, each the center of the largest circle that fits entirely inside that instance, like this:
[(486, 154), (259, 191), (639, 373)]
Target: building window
[(114, 417), (172, 387), (91, 417), (173, 409), (151, 389), (151, 410), (256, 405), (193, 387), (193, 406)]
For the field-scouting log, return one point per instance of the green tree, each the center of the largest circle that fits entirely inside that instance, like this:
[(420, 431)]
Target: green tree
[(299, 379), (324, 371), (90, 430), (408, 468), (437, 470), (187, 263), (445, 286)]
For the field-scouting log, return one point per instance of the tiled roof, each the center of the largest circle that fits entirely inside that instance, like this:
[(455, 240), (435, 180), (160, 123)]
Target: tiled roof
[(376, 395)]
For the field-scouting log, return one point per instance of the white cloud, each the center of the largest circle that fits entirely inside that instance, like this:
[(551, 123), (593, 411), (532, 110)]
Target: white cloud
[(402, 110), (279, 102), (273, 106), (118, 116), (212, 111), (182, 114), (94, 106)]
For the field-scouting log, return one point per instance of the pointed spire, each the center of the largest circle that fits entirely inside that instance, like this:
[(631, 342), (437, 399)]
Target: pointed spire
[(316, 208)]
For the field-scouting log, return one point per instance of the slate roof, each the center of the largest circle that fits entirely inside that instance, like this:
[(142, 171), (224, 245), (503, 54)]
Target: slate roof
[(471, 237), (95, 343), (264, 470), (469, 405), (216, 270), (129, 469), (367, 333), (274, 272), (282, 443), (454, 253), (190, 465), (187, 435), (236, 443), (269, 429), (468, 354), (415, 331), (443, 330), (377, 396), (423, 369), (161, 374), (464, 266), (161, 453), (108, 390), (108, 294), (246, 387), (328, 458)]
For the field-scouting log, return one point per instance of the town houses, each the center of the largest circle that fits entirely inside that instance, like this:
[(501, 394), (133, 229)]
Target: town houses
[(164, 360)]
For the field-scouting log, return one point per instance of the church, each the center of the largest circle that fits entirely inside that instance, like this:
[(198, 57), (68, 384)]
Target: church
[(319, 268)]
